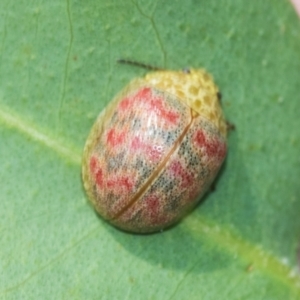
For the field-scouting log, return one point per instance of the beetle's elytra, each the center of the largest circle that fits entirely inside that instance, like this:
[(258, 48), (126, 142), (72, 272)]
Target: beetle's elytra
[(155, 150)]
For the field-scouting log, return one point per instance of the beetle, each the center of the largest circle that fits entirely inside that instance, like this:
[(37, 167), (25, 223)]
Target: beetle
[(155, 150)]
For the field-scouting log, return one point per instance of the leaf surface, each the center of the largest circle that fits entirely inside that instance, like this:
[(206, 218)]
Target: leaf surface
[(58, 71)]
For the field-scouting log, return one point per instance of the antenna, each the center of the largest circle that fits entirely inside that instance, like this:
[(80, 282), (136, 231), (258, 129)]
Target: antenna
[(138, 64)]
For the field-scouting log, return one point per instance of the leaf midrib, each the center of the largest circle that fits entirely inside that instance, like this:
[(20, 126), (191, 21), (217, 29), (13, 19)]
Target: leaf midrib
[(12, 120)]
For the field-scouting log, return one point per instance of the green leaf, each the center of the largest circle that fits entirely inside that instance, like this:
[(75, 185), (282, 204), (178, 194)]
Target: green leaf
[(58, 70)]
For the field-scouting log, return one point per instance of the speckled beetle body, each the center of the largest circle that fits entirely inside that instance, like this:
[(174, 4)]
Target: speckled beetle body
[(155, 150)]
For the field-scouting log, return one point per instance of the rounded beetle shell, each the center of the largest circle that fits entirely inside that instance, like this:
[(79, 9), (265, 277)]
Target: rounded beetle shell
[(155, 150)]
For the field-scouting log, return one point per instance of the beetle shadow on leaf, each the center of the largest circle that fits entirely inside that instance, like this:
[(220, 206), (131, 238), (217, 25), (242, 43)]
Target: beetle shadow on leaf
[(174, 249)]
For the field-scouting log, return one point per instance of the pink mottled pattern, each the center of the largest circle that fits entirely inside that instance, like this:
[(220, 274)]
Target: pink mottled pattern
[(152, 160)]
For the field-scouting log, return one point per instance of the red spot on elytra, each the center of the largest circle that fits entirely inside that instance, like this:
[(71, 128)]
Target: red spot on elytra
[(153, 209), (142, 96), (99, 178), (126, 103), (172, 117), (114, 183), (153, 152), (144, 93), (200, 138), (157, 105), (152, 204), (96, 172), (93, 164), (213, 147), (137, 144), (178, 171), (145, 97), (118, 182), (216, 148), (115, 138)]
